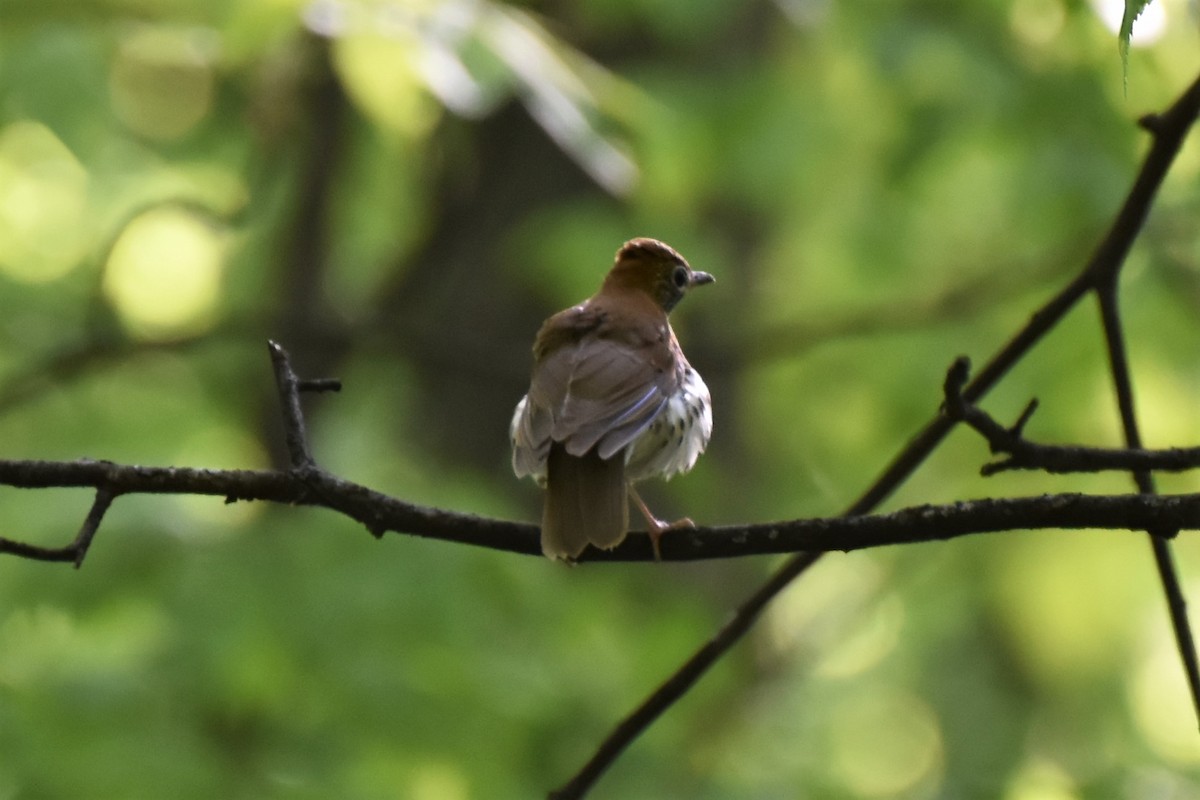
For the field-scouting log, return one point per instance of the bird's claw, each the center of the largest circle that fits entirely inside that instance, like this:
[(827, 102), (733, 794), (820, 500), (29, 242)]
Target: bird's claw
[(658, 527)]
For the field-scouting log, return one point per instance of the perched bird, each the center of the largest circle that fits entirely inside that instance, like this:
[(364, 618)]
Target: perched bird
[(612, 401)]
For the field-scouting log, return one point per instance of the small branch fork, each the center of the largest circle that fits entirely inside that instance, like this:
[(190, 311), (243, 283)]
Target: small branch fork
[(290, 386), (77, 550), (304, 483), (1021, 454)]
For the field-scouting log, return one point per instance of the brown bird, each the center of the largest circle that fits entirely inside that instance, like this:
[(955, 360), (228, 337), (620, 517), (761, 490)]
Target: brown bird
[(612, 401)]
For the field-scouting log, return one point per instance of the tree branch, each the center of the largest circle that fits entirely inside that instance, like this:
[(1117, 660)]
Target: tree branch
[(77, 550), (288, 385), (380, 513), (1020, 453)]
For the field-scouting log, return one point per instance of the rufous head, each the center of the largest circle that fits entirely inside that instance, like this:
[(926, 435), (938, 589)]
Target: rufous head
[(655, 268)]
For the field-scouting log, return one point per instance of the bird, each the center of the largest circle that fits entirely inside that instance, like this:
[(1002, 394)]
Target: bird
[(612, 400)]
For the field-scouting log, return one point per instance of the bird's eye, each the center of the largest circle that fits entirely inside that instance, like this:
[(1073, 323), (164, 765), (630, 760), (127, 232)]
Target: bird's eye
[(680, 276)]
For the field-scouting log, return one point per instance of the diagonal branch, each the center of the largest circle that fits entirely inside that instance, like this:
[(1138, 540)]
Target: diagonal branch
[(1168, 131), (677, 685)]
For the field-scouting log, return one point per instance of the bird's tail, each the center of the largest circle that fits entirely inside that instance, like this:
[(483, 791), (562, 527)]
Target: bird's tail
[(586, 503)]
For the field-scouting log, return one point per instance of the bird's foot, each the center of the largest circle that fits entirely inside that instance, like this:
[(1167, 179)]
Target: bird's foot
[(658, 527), (655, 526)]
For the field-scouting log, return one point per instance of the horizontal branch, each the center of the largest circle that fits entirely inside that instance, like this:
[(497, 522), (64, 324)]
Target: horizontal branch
[(308, 486), (380, 513)]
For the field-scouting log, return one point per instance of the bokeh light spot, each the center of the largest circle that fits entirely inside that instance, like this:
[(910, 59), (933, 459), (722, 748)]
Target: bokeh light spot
[(885, 742), (162, 81), (382, 76), (1156, 694), (869, 642), (1063, 630), (1040, 779), (164, 274), (43, 196), (1037, 22), (439, 782)]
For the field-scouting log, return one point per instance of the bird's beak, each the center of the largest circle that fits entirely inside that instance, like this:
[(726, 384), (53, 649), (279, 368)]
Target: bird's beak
[(700, 278)]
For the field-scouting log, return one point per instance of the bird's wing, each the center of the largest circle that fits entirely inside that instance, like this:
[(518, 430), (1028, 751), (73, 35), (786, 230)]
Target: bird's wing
[(597, 383)]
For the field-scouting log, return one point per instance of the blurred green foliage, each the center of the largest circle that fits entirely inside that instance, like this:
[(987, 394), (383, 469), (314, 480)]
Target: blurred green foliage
[(400, 192)]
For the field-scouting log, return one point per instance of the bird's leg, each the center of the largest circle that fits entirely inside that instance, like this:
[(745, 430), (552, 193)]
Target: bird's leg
[(657, 527)]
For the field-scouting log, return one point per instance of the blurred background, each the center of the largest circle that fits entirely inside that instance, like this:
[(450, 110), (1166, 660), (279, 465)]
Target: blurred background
[(400, 192)]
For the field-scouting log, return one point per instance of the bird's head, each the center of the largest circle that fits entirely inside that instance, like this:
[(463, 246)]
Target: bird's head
[(649, 265)]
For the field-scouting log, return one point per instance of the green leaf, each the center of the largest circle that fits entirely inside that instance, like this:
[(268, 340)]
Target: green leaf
[(1133, 10)]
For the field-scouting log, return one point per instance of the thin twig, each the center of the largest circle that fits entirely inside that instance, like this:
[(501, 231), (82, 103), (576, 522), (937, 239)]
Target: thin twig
[(77, 550), (319, 385), (293, 415), (91, 524)]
